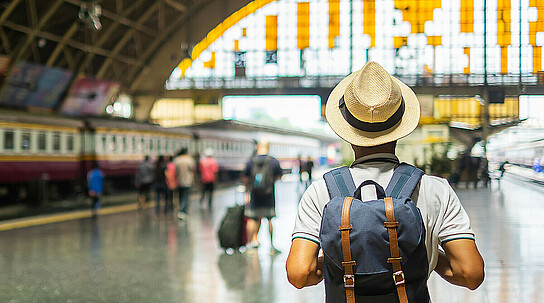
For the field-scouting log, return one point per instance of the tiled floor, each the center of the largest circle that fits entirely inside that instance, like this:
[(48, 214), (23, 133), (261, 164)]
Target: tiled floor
[(132, 257)]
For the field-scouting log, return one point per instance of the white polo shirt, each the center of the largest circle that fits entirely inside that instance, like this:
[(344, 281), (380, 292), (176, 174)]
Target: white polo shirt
[(443, 215)]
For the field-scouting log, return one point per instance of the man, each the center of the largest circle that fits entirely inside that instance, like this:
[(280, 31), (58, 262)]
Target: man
[(172, 184), (259, 176), (371, 110), (208, 170), (95, 184), (309, 168), (143, 180), (185, 169)]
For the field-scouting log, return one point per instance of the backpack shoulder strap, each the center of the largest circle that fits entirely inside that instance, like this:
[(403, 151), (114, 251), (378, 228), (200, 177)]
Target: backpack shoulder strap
[(339, 182), (404, 181)]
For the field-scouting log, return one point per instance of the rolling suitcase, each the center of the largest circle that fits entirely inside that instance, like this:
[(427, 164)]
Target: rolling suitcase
[(231, 228), (231, 232)]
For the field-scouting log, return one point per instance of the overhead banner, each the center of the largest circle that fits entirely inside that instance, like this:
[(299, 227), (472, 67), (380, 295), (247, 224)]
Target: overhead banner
[(89, 96), (31, 85)]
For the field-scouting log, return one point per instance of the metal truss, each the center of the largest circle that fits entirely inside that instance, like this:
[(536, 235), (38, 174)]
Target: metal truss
[(58, 33)]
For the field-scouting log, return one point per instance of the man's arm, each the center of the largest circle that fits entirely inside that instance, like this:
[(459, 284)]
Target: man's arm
[(461, 263), (304, 267)]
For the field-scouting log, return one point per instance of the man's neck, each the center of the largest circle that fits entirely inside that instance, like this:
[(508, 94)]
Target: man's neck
[(362, 151)]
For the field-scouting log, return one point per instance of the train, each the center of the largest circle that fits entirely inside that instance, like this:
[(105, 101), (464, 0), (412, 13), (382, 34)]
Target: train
[(524, 151), (51, 155)]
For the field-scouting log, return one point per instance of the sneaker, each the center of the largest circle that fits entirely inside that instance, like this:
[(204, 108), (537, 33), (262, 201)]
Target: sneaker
[(252, 245), (182, 216), (274, 251)]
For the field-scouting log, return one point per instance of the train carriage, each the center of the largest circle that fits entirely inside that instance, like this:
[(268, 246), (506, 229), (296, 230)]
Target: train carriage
[(49, 156), (35, 149), (119, 145)]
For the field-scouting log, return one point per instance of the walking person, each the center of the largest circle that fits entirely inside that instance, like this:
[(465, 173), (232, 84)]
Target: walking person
[(185, 170), (171, 184), (159, 182), (95, 184), (371, 110), (308, 167), (301, 167), (208, 171), (260, 174), (143, 180), (502, 168)]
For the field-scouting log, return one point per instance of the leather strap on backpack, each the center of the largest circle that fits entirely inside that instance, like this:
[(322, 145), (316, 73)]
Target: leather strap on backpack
[(396, 259), (345, 227)]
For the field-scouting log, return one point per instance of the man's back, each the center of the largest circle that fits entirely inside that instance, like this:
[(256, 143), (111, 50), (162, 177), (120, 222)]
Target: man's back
[(443, 216), (144, 174), (95, 179), (185, 167), (274, 171), (208, 169)]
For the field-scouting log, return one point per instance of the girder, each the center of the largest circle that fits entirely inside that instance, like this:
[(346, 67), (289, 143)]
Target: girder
[(138, 45)]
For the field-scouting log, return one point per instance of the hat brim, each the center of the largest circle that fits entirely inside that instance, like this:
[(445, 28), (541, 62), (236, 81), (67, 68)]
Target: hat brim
[(344, 130)]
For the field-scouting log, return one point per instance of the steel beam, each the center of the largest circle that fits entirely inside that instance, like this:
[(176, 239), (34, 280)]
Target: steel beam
[(60, 46), (151, 49), (126, 38), (106, 35), (5, 41), (118, 18), (20, 49), (176, 5), (12, 5), (81, 46)]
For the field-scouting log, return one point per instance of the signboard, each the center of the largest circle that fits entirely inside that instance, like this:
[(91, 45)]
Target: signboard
[(35, 86), (89, 96)]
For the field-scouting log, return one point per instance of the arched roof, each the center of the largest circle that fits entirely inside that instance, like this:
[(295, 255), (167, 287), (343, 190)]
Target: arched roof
[(138, 44)]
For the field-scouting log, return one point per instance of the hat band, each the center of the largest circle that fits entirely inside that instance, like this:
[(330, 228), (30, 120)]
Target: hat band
[(368, 126)]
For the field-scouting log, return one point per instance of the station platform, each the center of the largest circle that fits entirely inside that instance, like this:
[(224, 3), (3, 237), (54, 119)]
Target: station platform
[(126, 255)]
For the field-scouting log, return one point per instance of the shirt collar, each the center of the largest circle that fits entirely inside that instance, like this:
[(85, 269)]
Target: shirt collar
[(369, 158)]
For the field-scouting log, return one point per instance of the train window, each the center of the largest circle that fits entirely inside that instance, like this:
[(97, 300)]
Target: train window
[(25, 141), (56, 141), (124, 144), (9, 138), (41, 141), (113, 143), (70, 142), (104, 143)]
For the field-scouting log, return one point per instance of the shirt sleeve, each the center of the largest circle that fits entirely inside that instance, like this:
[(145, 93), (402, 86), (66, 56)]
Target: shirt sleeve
[(455, 223), (308, 220)]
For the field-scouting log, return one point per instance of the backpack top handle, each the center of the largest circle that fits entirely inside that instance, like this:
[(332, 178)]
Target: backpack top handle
[(380, 192)]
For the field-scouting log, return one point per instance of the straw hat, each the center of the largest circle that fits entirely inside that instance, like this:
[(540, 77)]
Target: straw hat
[(370, 107)]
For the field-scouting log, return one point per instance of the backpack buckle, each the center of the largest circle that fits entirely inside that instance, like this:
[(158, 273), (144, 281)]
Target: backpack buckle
[(349, 281), (400, 274)]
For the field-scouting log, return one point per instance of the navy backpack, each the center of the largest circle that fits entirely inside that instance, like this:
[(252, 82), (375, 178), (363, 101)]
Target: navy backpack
[(374, 250)]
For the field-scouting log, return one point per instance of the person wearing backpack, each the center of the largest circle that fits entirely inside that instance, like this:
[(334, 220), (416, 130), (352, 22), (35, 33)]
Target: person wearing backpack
[(260, 174), (385, 248)]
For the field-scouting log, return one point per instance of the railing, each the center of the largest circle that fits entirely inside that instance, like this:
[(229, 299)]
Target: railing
[(431, 80)]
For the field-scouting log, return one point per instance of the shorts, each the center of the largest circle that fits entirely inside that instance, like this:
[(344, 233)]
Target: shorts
[(260, 212), (144, 188)]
